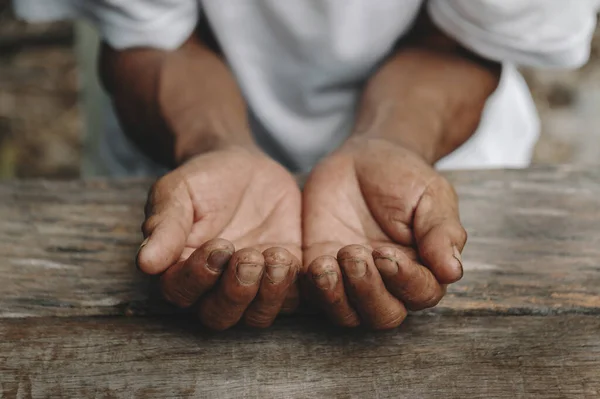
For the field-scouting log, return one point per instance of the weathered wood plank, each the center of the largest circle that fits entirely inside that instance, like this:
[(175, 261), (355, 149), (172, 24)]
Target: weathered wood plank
[(429, 356), (67, 249)]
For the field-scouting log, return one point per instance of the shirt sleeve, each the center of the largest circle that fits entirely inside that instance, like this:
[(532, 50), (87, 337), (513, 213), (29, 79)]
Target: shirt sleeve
[(164, 24), (539, 33)]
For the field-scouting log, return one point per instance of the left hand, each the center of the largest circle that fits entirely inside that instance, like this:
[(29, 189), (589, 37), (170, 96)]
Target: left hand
[(381, 233)]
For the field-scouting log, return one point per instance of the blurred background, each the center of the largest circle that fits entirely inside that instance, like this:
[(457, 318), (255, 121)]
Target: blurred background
[(42, 129)]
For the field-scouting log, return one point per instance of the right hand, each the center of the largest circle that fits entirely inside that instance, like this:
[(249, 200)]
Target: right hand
[(224, 231)]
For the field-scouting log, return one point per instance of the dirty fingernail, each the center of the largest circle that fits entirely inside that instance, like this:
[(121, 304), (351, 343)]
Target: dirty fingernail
[(248, 273), (326, 281), (456, 254), (217, 260), (355, 268), (277, 273), (386, 266)]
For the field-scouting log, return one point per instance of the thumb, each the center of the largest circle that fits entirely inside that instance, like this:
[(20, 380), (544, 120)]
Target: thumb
[(169, 219), (439, 235)]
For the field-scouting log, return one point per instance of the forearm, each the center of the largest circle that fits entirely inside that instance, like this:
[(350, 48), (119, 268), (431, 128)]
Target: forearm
[(175, 104), (428, 96)]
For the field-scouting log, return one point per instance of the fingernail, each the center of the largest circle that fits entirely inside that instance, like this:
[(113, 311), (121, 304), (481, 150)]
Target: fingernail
[(326, 281), (456, 254), (277, 273), (248, 273), (217, 260), (355, 268), (386, 266), (142, 245)]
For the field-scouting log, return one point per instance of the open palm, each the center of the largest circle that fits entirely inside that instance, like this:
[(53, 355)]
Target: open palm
[(199, 214), (380, 233)]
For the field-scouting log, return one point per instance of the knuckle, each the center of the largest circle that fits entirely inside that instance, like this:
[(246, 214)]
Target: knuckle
[(397, 214), (149, 225), (429, 301), (433, 300), (174, 294), (349, 320), (178, 298), (457, 234), (262, 318), (233, 298), (392, 321)]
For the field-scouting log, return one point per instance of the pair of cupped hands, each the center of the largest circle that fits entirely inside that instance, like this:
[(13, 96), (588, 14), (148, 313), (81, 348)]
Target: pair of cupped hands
[(374, 232)]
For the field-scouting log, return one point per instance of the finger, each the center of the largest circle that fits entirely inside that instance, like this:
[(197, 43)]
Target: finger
[(326, 286), (366, 290), (183, 283), (292, 298), (439, 234), (225, 305), (413, 284), (281, 268), (167, 226)]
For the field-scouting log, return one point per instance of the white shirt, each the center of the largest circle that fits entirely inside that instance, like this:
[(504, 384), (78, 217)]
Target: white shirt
[(300, 63)]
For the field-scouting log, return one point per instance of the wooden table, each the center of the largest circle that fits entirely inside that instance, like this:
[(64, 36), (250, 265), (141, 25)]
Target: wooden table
[(78, 320)]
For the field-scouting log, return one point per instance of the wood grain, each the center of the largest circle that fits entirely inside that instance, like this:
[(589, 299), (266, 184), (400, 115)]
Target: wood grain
[(428, 357), (523, 323), (67, 249)]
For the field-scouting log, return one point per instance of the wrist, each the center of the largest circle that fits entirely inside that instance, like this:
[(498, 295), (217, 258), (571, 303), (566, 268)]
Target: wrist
[(426, 100), (194, 143), (176, 104), (415, 124), (201, 104)]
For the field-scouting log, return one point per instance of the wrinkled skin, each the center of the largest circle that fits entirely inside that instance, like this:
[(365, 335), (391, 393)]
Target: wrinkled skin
[(224, 229), (381, 233)]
